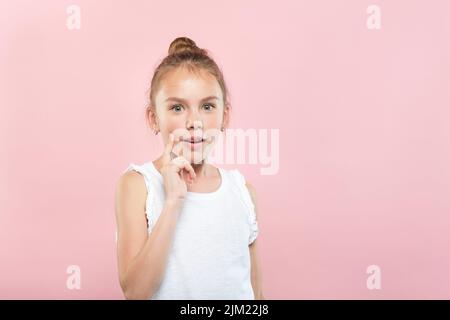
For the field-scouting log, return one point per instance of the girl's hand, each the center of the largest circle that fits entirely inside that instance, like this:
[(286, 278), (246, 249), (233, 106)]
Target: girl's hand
[(176, 171)]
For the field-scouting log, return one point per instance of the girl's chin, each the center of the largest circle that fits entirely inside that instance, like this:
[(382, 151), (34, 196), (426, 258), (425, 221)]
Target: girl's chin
[(196, 157)]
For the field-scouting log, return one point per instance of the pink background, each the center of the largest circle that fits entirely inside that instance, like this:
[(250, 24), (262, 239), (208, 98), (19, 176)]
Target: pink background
[(364, 126)]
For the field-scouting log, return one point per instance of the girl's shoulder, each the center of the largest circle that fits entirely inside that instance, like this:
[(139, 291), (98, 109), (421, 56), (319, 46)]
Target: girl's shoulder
[(136, 177), (133, 178), (131, 191), (238, 178)]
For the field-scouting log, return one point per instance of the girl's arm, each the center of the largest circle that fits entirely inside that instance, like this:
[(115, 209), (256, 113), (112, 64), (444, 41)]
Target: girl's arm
[(256, 274), (141, 256)]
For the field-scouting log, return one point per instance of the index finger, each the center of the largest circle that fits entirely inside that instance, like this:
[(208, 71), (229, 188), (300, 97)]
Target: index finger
[(169, 147)]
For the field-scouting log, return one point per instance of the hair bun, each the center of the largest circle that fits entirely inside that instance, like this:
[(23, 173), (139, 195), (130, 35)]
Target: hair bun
[(184, 44)]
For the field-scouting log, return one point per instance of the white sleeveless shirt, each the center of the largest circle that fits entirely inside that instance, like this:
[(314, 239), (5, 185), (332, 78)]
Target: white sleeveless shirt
[(210, 257)]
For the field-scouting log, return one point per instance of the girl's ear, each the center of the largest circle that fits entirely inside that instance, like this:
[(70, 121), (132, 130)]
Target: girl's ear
[(226, 116), (152, 119)]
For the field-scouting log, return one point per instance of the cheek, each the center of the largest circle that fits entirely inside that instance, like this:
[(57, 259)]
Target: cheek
[(170, 124), (212, 122), (173, 123)]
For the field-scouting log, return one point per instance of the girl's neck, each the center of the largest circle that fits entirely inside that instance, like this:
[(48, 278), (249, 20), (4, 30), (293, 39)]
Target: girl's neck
[(200, 168)]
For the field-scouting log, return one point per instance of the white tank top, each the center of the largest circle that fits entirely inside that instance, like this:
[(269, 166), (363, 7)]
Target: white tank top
[(210, 257)]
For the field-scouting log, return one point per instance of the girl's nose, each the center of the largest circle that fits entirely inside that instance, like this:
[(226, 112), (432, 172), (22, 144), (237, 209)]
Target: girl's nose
[(196, 124)]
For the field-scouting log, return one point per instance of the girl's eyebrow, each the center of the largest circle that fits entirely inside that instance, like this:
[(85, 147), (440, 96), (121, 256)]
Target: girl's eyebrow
[(182, 100)]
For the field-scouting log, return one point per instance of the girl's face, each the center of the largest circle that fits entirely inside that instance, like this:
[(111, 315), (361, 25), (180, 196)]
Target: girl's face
[(190, 105)]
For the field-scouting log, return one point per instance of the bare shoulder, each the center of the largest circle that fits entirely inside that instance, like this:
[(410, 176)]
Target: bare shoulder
[(131, 181), (131, 192)]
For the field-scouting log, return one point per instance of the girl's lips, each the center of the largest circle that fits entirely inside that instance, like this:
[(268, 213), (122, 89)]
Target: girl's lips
[(194, 145), (193, 139)]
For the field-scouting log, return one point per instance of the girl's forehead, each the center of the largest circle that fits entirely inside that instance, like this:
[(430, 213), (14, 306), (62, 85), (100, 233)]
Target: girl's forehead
[(188, 85)]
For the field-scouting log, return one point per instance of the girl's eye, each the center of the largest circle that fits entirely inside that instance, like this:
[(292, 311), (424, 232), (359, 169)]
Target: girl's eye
[(177, 108), (210, 106)]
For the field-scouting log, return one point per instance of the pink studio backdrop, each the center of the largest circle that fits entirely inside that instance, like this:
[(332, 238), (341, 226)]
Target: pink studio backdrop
[(364, 130)]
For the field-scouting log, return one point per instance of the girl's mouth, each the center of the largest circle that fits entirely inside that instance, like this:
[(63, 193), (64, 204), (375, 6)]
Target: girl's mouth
[(195, 142)]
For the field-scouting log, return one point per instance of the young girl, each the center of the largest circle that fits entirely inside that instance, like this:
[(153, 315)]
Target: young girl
[(186, 229)]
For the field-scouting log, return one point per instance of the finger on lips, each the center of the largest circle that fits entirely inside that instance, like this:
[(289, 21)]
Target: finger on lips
[(179, 160)]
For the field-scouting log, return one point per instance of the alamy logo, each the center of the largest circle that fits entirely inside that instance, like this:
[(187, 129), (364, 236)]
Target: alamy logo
[(374, 280), (74, 278), (374, 19), (74, 19), (237, 146)]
